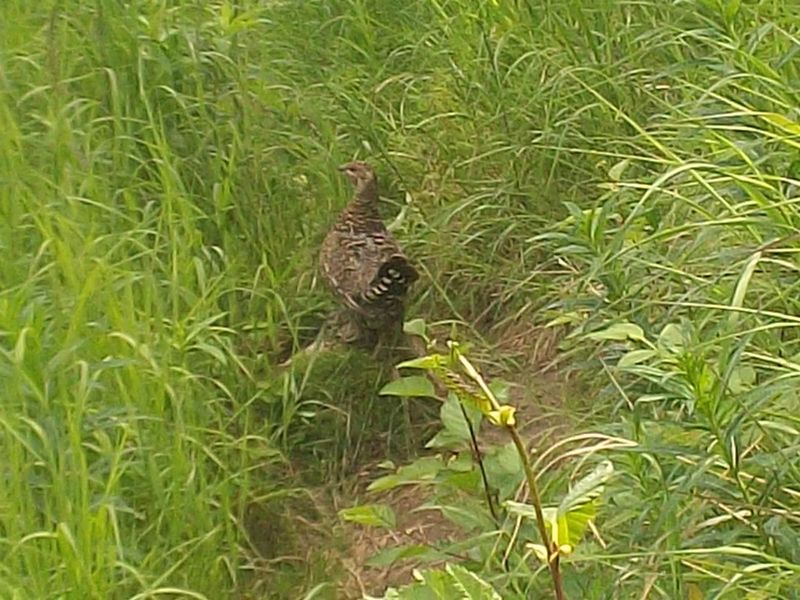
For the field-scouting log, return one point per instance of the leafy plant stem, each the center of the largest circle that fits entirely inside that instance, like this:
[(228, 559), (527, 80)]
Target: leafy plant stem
[(552, 552)]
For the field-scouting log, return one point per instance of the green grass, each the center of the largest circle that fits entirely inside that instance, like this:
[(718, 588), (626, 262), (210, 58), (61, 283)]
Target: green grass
[(167, 170)]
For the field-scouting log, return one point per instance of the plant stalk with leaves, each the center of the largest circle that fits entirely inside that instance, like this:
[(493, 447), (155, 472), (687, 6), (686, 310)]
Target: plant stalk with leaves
[(447, 369)]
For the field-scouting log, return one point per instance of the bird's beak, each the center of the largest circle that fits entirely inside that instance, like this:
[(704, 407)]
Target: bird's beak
[(343, 167)]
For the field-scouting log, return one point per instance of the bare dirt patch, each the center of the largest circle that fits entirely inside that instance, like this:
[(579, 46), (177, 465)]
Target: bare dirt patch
[(414, 526)]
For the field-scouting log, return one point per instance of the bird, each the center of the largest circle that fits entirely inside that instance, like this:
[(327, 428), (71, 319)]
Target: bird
[(364, 266)]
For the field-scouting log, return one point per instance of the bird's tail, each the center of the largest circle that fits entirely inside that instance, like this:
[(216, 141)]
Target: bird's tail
[(391, 283)]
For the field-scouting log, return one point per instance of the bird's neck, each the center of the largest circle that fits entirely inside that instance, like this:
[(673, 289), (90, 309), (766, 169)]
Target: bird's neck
[(367, 197)]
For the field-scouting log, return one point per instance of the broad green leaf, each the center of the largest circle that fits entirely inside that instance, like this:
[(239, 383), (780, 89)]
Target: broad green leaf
[(520, 509), (574, 210), (504, 469), (389, 556), (446, 439), (412, 386), (452, 417), (671, 338), (615, 172), (507, 457), (454, 582), (635, 357), (566, 319), (500, 389), (619, 332), (466, 481), (527, 511), (471, 586), (374, 515), (440, 583), (461, 463), (422, 469), (579, 507), (587, 489), (455, 434), (471, 514), (572, 525), (742, 379), (415, 327)]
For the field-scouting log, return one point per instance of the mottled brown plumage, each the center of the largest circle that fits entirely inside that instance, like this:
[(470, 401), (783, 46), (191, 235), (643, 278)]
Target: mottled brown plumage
[(362, 262)]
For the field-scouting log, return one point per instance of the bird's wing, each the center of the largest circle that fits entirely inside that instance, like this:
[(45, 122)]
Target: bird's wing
[(364, 265)]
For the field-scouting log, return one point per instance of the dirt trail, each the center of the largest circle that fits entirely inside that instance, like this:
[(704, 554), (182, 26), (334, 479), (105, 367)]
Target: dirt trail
[(539, 403), (341, 551)]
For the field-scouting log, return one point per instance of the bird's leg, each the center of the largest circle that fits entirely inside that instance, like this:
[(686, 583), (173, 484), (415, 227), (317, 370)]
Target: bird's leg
[(315, 346)]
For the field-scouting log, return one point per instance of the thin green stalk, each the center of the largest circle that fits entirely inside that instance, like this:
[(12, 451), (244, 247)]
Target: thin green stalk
[(479, 459), (553, 558), (551, 548)]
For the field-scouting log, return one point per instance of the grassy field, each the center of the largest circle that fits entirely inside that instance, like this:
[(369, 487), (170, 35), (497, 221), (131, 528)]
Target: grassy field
[(622, 177)]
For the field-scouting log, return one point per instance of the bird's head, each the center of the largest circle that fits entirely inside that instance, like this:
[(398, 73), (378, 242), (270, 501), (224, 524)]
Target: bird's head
[(361, 175)]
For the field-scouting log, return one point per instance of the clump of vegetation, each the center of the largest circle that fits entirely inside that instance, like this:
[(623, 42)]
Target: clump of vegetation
[(470, 401), (622, 177)]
